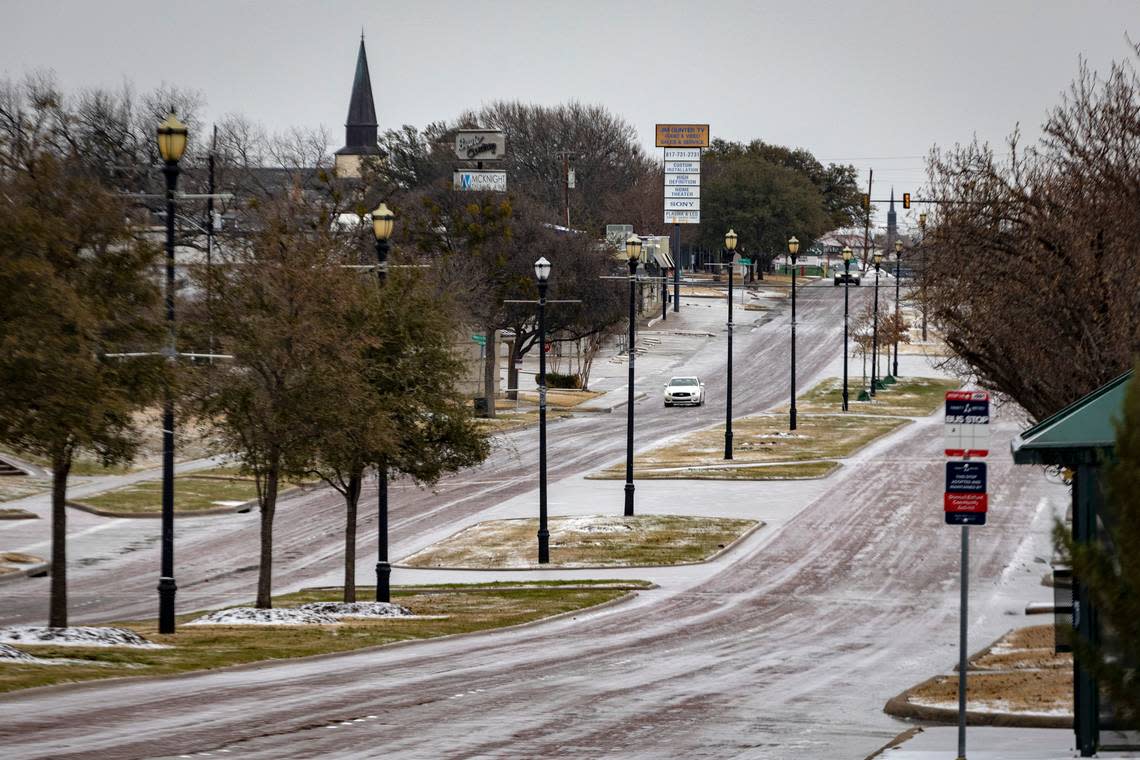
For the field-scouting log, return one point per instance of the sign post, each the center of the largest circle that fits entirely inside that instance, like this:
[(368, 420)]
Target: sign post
[(682, 196), (965, 503)]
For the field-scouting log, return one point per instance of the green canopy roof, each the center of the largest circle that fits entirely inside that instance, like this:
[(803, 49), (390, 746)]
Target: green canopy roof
[(1081, 432)]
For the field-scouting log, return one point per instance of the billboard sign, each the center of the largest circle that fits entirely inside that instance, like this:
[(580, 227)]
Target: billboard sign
[(682, 135), (480, 145), (480, 179)]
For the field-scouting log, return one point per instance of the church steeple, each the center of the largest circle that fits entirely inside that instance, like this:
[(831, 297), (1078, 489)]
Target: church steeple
[(892, 222), (360, 127)]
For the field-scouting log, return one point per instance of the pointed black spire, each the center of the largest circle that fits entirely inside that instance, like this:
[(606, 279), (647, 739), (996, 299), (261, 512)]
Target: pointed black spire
[(892, 220), (360, 128)]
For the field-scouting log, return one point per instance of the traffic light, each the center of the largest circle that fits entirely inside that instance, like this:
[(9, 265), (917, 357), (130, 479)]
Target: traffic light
[(906, 200), (866, 200)]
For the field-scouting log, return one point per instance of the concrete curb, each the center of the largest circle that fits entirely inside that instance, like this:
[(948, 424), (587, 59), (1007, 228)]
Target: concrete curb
[(900, 706), (35, 571), (609, 409)]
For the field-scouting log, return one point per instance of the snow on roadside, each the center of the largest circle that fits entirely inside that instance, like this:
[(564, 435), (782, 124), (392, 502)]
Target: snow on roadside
[(357, 609), (11, 655), (254, 616), (76, 636), (991, 706)]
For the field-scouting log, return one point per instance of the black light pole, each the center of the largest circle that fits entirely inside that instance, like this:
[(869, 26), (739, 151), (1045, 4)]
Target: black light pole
[(922, 231), (729, 247), (633, 252), (172, 136), (847, 254), (898, 312), (383, 220), (878, 259), (793, 249), (542, 274)]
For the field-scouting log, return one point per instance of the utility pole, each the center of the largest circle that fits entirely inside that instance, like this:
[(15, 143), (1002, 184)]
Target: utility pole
[(677, 268), (210, 228), (867, 219), (566, 156)]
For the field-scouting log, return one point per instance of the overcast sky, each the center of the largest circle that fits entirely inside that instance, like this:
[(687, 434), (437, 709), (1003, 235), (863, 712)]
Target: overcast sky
[(870, 83)]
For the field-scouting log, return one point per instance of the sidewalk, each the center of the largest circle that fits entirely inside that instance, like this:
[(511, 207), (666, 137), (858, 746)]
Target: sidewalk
[(990, 743)]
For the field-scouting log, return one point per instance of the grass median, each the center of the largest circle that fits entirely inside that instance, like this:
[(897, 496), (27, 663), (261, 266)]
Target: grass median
[(585, 541), (440, 610), (192, 493), (909, 397), (763, 439)]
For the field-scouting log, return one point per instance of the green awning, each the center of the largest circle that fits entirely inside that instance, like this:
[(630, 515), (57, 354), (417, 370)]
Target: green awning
[(1083, 431)]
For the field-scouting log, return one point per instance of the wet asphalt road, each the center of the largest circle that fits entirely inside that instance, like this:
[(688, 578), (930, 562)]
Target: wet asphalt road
[(113, 573), (789, 651)]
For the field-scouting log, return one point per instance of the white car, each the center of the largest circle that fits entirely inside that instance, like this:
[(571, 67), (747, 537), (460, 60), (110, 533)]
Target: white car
[(685, 390)]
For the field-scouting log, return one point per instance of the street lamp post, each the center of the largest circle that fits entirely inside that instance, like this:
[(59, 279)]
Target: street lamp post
[(847, 254), (878, 259), (729, 247), (172, 135), (383, 220), (542, 274), (793, 250), (633, 253), (898, 311)]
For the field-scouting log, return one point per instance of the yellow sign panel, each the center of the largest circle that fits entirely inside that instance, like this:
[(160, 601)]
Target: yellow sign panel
[(682, 135)]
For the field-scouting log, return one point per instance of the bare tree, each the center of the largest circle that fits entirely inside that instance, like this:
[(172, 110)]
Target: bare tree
[(1029, 268)]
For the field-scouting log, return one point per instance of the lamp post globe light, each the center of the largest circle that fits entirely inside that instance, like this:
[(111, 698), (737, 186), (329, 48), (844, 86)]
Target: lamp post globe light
[(633, 254), (898, 312), (729, 246), (878, 259), (172, 136), (383, 222), (542, 275), (793, 251), (847, 254)]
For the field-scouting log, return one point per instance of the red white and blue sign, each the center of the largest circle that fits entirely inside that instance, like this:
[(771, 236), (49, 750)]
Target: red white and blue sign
[(967, 423)]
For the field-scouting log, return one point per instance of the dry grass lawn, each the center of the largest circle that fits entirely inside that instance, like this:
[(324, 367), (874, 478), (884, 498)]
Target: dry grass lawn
[(193, 443), (506, 422), (761, 439), (192, 493), (19, 486), (909, 397), (463, 609), (559, 398), (588, 541), (800, 471), (1019, 673)]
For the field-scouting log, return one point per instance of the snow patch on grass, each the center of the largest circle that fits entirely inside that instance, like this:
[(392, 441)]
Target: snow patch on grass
[(11, 655), (990, 706), (76, 636), (357, 609), (254, 616)]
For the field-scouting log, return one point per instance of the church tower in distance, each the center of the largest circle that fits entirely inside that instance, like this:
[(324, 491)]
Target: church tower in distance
[(360, 128)]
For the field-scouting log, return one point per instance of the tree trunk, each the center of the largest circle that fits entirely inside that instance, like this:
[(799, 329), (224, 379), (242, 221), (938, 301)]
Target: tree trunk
[(351, 498), (490, 372), (265, 566), (60, 467)]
